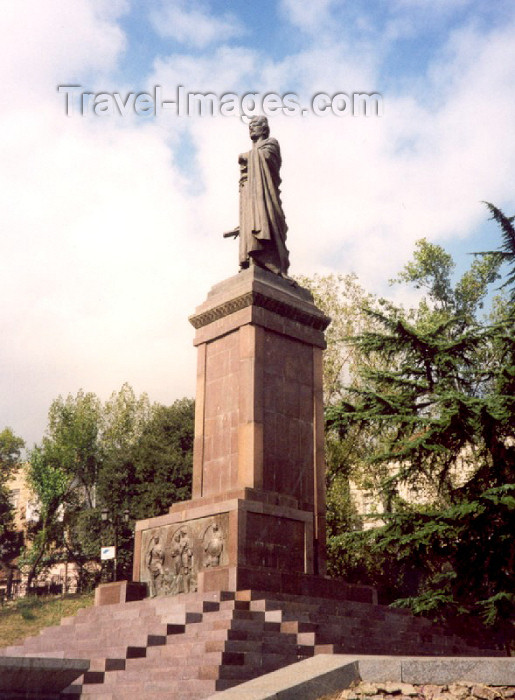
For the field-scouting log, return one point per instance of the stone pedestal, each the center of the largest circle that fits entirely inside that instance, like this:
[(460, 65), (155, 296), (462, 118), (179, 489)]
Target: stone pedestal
[(258, 507)]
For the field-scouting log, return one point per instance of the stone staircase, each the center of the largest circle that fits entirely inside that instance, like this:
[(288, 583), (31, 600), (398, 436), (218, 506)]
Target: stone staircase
[(192, 645)]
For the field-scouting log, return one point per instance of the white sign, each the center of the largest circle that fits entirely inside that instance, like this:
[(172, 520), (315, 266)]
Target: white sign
[(107, 553)]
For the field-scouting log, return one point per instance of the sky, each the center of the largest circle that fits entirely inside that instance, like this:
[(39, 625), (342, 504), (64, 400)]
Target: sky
[(112, 221)]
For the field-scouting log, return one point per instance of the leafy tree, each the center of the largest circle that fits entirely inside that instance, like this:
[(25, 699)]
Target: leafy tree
[(62, 473), (441, 398), (342, 298), (123, 422), (147, 464), (124, 418), (10, 452), (163, 459), (431, 270), (124, 455)]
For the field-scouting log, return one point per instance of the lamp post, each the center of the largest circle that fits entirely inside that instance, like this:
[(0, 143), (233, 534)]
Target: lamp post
[(114, 520)]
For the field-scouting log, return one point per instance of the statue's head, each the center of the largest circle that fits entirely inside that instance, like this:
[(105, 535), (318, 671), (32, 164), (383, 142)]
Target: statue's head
[(258, 128)]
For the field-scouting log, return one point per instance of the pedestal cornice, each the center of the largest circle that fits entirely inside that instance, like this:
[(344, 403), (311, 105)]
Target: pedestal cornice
[(259, 288)]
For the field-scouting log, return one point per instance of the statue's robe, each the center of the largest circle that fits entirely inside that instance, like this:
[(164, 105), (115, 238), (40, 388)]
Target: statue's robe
[(262, 222)]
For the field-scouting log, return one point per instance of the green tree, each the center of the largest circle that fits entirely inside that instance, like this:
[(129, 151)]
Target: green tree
[(10, 452), (441, 396), (124, 455), (147, 464), (506, 251), (163, 459), (10, 541), (62, 473), (124, 417), (342, 298), (431, 270)]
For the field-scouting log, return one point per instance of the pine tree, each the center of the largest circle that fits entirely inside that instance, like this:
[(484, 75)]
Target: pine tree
[(442, 400)]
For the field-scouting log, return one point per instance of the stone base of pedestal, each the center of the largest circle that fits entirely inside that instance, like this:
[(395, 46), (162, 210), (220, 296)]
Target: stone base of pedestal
[(225, 542), (119, 592), (240, 578)]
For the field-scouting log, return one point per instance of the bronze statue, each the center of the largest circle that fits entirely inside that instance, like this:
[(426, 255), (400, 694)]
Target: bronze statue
[(262, 229)]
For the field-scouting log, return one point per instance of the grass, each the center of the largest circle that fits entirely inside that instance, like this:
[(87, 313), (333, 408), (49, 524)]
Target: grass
[(25, 617)]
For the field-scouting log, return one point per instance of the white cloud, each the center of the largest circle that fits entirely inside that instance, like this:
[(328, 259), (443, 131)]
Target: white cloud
[(93, 225), (235, 68), (191, 23), (330, 68), (44, 44), (429, 8), (99, 265), (421, 170), (106, 249), (311, 16)]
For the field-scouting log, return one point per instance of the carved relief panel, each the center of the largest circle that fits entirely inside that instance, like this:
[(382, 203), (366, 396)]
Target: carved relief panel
[(172, 555)]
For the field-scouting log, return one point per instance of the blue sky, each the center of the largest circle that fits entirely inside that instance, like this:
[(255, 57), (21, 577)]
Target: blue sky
[(111, 226)]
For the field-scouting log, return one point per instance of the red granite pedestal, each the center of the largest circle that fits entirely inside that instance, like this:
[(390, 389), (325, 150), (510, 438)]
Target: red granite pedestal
[(257, 514), (237, 573)]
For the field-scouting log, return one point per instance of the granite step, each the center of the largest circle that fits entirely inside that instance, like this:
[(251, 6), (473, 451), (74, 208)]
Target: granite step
[(192, 646), (234, 665)]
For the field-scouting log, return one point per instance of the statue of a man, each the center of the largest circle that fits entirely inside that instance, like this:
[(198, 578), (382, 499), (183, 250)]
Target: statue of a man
[(262, 228)]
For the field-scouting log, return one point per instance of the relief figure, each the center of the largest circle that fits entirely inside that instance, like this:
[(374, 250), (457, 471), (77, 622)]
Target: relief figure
[(155, 560)]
